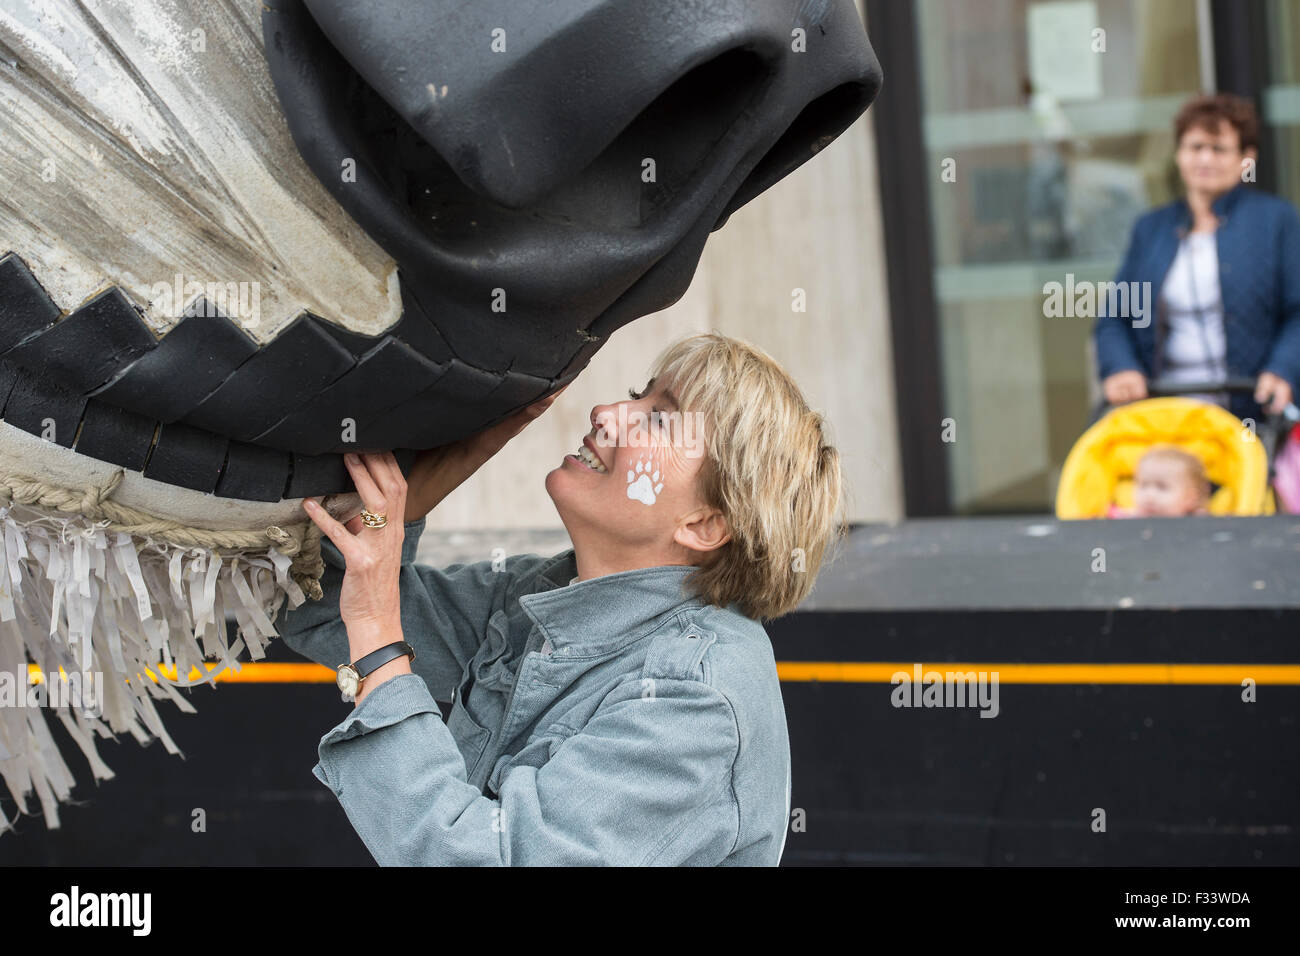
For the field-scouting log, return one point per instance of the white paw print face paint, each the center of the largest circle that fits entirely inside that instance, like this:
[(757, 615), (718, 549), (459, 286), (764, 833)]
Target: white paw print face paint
[(643, 484)]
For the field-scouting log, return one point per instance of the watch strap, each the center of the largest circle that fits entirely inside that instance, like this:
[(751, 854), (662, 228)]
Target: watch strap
[(371, 662)]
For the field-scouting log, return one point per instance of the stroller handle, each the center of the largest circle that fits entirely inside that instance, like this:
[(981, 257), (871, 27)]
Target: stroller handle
[(1164, 388), (1272, 430), (1159, 387)]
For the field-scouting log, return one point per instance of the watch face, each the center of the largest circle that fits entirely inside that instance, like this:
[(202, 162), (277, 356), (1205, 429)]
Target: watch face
[(348, 680)]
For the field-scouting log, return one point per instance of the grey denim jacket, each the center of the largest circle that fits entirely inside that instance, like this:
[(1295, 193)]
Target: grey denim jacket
[(613, 721)]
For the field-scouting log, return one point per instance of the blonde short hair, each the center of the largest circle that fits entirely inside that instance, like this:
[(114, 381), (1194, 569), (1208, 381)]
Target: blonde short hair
[(769, 469), (1191, 464)]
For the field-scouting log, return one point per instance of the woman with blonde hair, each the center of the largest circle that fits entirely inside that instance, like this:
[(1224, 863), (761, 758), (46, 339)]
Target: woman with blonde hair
[(617, 703)]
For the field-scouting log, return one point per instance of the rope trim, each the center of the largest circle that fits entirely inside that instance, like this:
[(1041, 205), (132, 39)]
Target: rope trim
[(299, 541)]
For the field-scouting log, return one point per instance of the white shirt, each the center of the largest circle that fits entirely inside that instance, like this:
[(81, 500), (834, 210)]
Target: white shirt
[(1195, 347)]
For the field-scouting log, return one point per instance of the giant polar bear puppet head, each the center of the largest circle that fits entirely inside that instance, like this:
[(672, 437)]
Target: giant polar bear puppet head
[(240, 238)]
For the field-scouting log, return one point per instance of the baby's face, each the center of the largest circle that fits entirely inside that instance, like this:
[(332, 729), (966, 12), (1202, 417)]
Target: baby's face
[(1164, 490)]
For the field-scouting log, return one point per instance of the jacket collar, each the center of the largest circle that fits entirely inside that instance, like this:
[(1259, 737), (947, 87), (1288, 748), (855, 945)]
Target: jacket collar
[(602, 613), (1221, 207)]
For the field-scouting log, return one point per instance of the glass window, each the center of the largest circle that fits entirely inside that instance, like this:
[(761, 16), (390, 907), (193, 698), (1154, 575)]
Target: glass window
[(1281, 106), (1048, 128)]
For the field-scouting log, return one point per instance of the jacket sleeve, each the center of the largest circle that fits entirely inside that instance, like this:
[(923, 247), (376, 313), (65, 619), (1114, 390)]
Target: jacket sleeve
[(1284, 359), (1113, 334), (444, 612), (621, 791)]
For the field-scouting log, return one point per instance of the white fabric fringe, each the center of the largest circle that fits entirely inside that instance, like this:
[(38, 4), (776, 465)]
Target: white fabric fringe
[(76, 596)]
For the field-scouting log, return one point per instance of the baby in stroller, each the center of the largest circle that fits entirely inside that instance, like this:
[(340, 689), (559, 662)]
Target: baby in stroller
[(1168, 483), (1208, 462)]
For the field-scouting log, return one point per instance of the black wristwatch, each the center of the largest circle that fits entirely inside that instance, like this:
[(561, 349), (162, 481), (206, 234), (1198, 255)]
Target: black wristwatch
[(351, 675)]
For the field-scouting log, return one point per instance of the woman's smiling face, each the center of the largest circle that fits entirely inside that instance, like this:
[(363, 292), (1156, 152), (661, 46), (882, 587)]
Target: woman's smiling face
[(639, 506)]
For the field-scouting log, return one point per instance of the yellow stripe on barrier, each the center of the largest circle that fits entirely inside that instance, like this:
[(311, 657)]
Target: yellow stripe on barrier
[(879, 673), (264, 672), (863, 672)]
